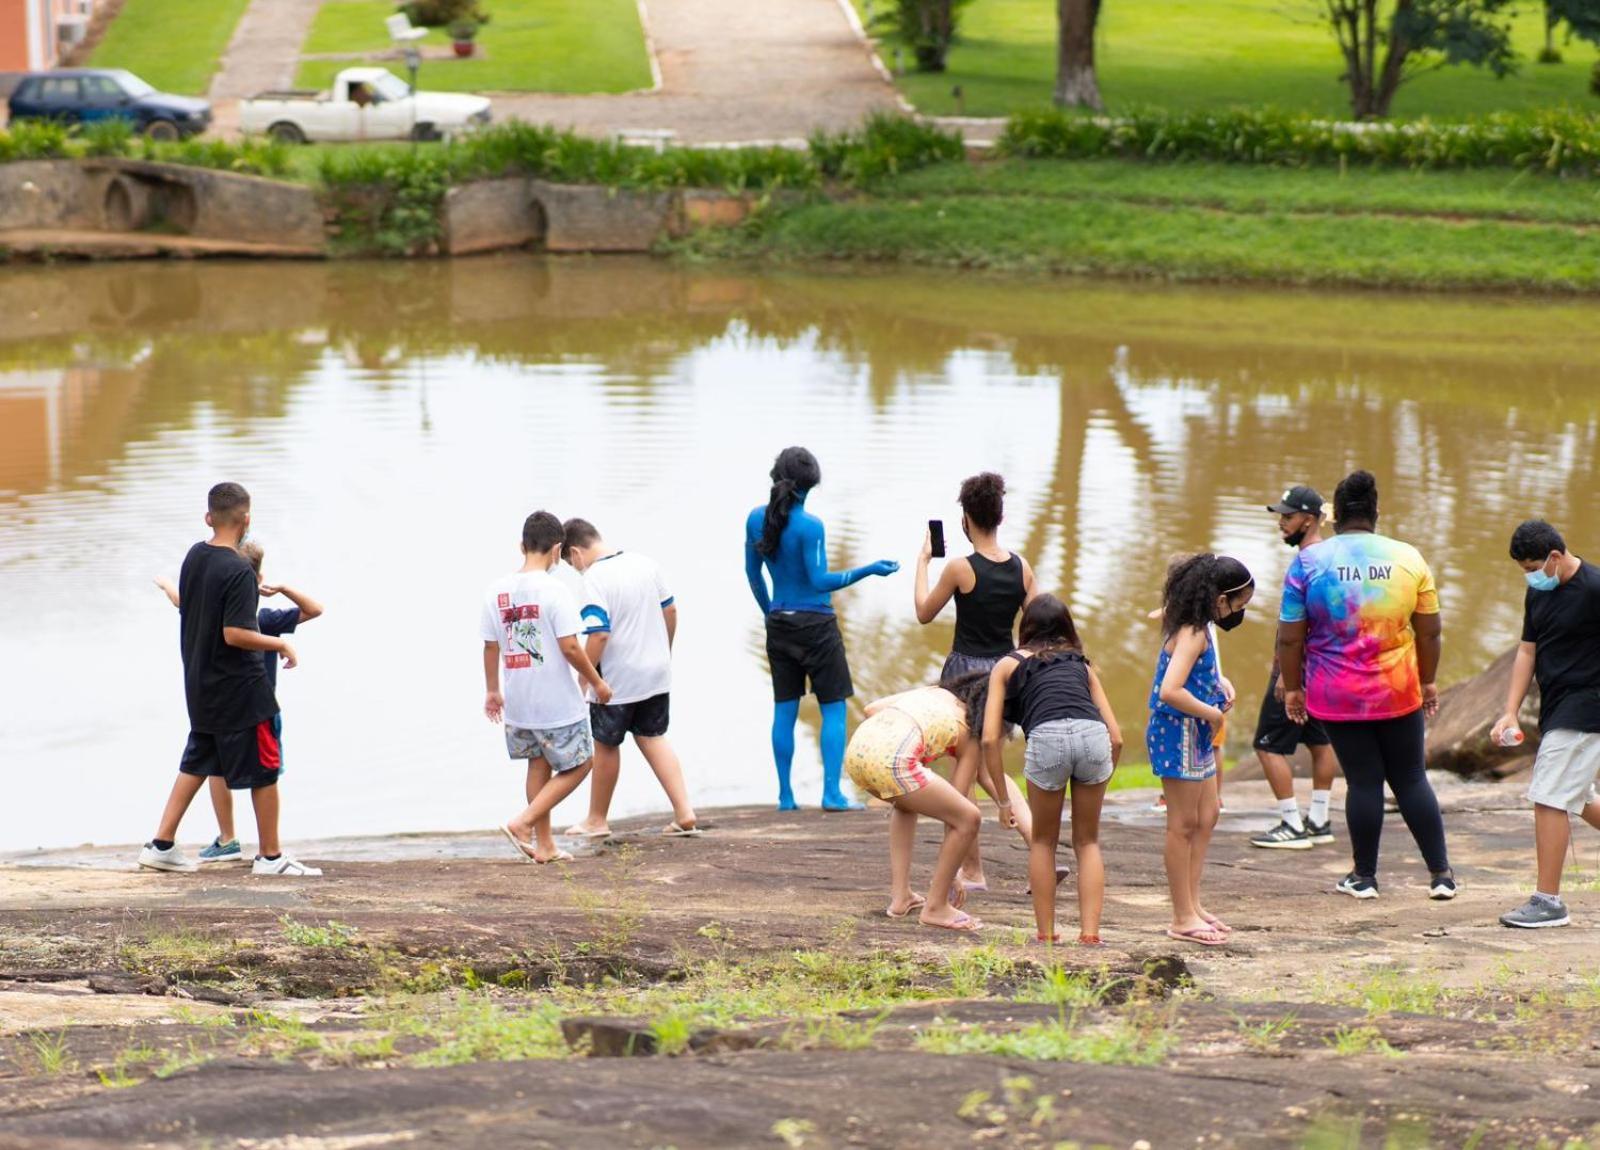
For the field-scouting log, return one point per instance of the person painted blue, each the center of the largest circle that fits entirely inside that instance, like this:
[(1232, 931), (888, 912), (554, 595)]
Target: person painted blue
[(803, 640)]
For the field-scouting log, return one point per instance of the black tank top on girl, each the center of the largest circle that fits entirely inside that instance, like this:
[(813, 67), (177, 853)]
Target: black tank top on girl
[(985, 614), (1047, 687)]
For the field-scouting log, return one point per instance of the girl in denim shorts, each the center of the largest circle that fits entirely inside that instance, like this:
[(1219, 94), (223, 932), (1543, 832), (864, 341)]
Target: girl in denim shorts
[(1048, 687)]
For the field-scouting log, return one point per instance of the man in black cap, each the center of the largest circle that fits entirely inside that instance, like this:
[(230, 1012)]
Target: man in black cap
[(1299, 515)]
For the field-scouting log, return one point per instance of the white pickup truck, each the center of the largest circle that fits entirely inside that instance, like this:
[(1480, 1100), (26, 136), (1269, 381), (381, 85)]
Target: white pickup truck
[(364, 104)]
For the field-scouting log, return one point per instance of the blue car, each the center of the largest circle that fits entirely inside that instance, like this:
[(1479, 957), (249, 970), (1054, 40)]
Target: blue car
[(84, 95)]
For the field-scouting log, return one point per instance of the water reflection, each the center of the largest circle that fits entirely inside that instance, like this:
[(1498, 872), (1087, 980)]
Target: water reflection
[(395, 422)]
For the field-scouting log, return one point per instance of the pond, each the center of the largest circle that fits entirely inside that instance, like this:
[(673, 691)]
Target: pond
[(395, 423)]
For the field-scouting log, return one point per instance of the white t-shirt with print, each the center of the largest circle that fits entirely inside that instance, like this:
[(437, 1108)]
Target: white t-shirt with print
[(625, 595), (527, 613)]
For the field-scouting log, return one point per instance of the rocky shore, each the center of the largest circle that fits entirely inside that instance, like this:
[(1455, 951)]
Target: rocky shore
[(750, 991)]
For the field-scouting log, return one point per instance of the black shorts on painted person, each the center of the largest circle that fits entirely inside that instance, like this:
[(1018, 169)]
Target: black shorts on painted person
[(645, 719), (804, 645), (1277, 734), (246, 760)]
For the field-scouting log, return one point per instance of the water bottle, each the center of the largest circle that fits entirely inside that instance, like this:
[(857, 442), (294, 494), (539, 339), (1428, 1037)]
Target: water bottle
[(1512, 737)]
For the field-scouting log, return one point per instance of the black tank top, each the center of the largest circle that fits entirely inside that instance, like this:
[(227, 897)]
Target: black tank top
[(985, 614), (1047, 687)]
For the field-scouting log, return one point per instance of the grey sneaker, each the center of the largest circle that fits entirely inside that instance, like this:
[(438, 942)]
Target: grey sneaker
[(1319, 833), (220, 851), (1283, 837), (171, 859), (1358, 886), (1536, 913)]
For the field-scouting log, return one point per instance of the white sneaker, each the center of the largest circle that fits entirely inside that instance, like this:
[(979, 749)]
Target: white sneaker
[(285, 867), (171, 859)]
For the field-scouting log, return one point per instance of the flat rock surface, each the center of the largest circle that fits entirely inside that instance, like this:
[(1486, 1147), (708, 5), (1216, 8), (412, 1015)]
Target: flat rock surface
[(1512, 1066)]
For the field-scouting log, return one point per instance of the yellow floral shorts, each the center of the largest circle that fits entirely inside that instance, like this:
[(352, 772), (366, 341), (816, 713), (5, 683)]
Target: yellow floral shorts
[(885, 756)]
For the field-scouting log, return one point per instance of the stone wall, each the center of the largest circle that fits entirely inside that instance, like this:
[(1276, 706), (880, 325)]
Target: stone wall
[(44, 194), (491, 215)]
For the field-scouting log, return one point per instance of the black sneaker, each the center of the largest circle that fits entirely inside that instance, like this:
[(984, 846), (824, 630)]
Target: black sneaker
[(1442, 886), (1283, 837), (1358, 886), (1319, 833)]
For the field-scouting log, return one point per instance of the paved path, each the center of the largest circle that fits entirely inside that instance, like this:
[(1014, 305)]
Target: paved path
[(265, 49)]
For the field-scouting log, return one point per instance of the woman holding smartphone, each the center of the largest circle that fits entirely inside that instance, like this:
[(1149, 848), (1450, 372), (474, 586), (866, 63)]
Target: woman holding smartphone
[(990, 587)]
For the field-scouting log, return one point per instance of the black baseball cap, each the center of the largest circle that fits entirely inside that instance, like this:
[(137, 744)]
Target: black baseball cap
[(1298, 500)]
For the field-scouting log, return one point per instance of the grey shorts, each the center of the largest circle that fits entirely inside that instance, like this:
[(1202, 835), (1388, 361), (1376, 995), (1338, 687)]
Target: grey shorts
[(1067, 750), (1565, 770), (564, 748)]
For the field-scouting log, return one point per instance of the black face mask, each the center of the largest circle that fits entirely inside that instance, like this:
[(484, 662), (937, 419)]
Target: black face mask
[(1229, 622), (1295, 539)]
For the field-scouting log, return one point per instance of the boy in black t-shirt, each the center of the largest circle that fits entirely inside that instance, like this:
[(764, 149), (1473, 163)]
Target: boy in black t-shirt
[(231, 703), (271, 621), (1561, 648)]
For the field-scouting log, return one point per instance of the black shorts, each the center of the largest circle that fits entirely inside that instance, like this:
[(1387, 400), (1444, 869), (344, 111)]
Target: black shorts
[(645, 719), (805, 645), (1277, 734), (246, 760)]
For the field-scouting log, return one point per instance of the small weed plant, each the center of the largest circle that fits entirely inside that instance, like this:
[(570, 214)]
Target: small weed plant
[(330, 936)]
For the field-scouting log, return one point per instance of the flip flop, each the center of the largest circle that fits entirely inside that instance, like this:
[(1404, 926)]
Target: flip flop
[(917, 903), (958, 895), (559, 856), (963, 923), (1090, 940), (673, 830), (1063, 872), (576, 831), (1217, 923), (1199, 938), (972, 887), (1041, 940), (526, 850)]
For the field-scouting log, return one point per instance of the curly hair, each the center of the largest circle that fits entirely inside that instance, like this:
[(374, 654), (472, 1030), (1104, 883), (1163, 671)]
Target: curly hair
[(1189, 598), (795, 472), (983, 498), (973, 691), (1355, 500)]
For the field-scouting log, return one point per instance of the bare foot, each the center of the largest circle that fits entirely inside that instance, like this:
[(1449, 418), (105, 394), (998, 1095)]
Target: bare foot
[(1213, 921), (974, 881)]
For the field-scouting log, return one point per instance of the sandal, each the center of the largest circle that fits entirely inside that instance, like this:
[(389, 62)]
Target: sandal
[(1203, 936), (1041, 940), (526, 850), (675, 830), (963, 922), (559, 856), (1089, 940), (1217, 923), (958, 895), (917, 903)]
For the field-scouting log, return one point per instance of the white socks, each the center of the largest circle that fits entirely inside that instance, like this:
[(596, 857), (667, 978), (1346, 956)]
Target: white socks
[(1319, 806), (1289, 811)]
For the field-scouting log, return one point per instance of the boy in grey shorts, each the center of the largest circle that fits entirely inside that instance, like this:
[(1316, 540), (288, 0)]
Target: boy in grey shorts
[(530, 633)]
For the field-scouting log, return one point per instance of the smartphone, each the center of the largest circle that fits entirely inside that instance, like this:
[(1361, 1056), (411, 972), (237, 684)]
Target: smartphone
[(936, 533)]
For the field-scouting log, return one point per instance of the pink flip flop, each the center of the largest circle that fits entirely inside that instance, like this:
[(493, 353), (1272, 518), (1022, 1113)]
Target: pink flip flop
[(559, 856), (1217, 923), (917, 903), (1200, 937), (963, 923)]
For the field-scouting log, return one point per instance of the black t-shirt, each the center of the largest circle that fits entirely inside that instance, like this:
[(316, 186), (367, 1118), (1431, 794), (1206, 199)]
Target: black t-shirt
[(1565, 624), (1051, 686), (227, 687), (275, 621)]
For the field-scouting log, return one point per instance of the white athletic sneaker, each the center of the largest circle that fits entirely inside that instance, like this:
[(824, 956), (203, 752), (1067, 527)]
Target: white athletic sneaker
[(284, 867), (172, 859)]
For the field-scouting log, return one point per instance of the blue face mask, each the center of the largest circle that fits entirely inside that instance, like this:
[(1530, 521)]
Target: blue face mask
[(1539, 581)]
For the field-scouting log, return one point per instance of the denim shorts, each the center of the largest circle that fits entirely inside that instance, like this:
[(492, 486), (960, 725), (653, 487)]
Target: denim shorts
[(1067, 750), (564, 748)]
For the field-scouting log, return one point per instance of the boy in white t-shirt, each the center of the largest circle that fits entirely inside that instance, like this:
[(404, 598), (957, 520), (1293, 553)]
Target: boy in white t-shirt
[(629, 619), (529, 619)]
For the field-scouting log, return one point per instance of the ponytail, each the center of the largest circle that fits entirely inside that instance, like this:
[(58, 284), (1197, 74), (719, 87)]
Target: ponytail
[(795, 472)]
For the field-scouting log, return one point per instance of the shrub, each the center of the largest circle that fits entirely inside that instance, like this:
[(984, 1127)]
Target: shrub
[(1559, 142), (884, 146), (34, 140), (927, 27), (443, 13), (385, 202), (107, 137), (1594, 79)]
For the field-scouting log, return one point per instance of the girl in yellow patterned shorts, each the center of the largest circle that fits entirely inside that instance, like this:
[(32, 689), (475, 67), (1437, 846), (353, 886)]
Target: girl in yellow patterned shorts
[(888, 757)]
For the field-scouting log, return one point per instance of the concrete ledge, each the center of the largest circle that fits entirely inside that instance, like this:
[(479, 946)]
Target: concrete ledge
[(585, 218), (491, 215)]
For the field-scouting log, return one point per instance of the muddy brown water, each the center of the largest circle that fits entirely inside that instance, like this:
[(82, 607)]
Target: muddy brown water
[(396, 422)]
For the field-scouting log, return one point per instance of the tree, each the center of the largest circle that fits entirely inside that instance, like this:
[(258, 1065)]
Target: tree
[(1582, 18), (1076, 84), (1387, 43)]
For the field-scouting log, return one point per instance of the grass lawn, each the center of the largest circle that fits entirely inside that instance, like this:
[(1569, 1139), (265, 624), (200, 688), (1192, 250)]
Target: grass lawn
[(1194, 54), (1202, 222), (528, 46), (173, 44)]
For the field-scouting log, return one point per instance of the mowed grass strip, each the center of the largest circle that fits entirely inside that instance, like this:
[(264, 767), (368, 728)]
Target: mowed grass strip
[(1485, 194), (1198, 54), (173, 44), (1020, 233), (527, 46)]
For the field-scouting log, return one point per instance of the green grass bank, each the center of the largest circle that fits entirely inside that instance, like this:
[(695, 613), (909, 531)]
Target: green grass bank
[(1198, 55)]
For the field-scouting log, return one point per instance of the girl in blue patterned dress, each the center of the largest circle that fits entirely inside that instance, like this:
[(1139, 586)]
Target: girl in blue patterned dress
[(1187, 702)]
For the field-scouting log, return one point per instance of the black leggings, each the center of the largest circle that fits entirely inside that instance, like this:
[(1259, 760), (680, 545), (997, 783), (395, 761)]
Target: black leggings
[(1371, 754)]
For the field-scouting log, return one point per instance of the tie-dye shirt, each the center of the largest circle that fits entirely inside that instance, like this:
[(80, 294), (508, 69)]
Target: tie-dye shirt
[(1357, 594)]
